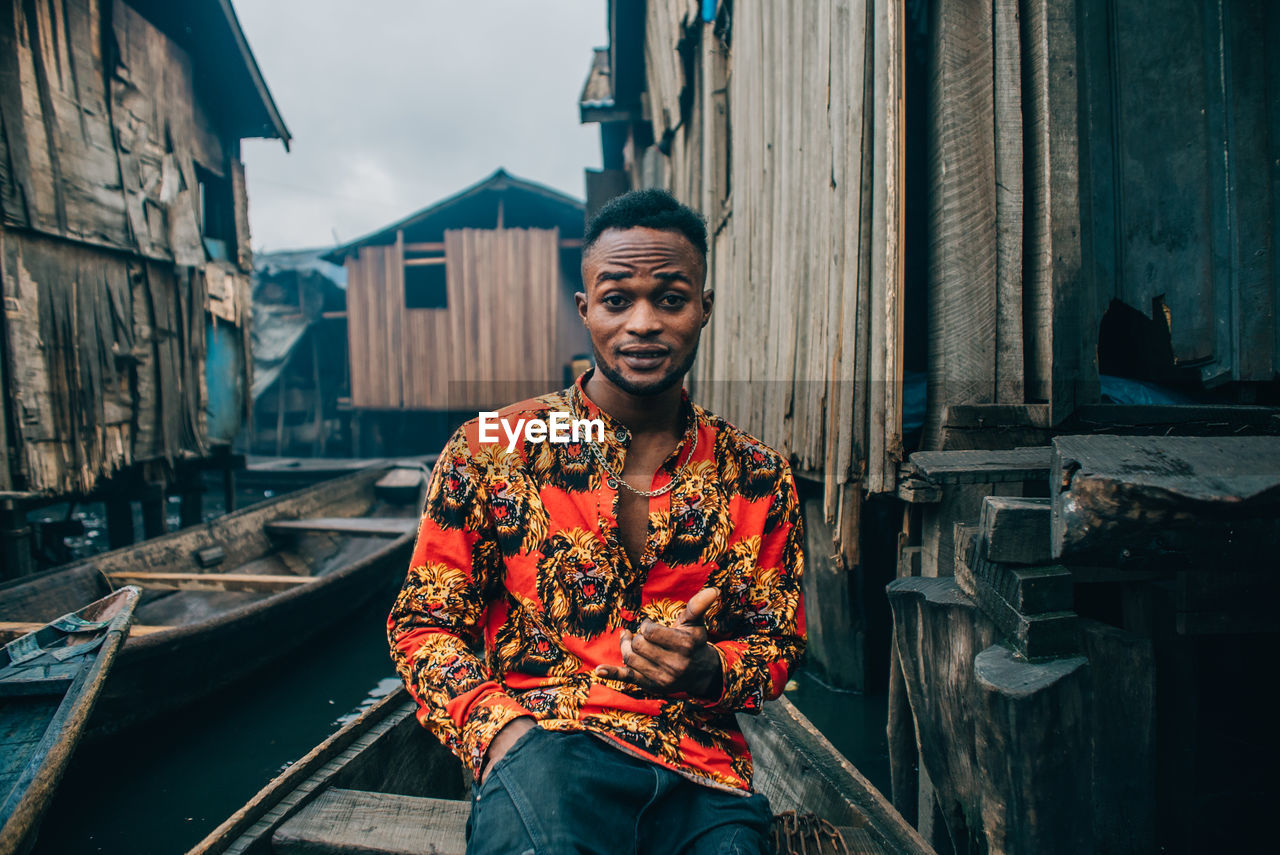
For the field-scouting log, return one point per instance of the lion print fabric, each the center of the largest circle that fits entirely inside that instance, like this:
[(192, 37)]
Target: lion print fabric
[(519, 587)]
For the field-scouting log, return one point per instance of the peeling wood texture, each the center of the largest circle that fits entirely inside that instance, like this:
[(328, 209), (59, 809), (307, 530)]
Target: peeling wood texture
[(786, 132), (1174, 501), (105, 148)]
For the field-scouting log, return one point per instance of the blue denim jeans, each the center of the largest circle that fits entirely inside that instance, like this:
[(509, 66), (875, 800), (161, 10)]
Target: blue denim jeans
[(574, 794)]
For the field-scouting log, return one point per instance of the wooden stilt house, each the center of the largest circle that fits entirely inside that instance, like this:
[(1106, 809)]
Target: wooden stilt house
[(464, 306), (124, 246), (945, 235)]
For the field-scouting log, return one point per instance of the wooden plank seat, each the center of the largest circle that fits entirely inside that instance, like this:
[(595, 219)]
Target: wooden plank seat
[(11, 629), (208, 581), (355, 822), (345, 822), (369, 526)]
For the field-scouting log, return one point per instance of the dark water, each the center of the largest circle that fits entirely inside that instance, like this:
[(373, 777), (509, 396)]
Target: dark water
[(164, 791)]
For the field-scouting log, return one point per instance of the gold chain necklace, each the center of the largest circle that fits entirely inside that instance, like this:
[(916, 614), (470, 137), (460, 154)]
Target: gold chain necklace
[(614, 479)]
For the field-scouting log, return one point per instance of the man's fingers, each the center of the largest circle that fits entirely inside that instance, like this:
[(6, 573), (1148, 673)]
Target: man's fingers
[(697, 607), (679, 639), (656, 658), (624, 674)]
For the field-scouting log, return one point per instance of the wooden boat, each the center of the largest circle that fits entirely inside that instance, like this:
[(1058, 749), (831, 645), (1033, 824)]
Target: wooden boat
[(382, 785), (264, 471), (230, 596), (49, 681)]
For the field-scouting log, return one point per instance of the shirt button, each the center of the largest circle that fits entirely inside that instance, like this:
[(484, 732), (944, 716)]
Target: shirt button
[(622, 435), (613, 485)]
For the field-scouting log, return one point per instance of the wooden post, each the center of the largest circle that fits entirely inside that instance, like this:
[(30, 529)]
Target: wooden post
[(228, 485), (836, 632), (280, 411), (15, 541), (153, 516), (119, 519), (317, 398), (192, 509)]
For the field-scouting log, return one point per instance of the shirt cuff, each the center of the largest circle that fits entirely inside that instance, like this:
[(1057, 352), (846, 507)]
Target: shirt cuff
[(729, 654), (487, 717)]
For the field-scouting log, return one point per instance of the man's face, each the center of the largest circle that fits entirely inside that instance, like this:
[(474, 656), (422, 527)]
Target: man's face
[(644, 307)]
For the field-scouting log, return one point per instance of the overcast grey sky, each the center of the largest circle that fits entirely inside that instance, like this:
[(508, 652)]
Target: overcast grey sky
[(394, 104)]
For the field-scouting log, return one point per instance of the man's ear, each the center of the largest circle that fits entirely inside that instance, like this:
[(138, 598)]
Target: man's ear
[(580, 299), (708, 300)]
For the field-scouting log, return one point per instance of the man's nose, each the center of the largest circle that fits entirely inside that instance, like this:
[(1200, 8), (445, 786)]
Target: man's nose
[(643, 320)]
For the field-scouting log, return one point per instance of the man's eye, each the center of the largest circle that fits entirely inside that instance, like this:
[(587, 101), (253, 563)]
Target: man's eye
[(613, 301), (674, 300)]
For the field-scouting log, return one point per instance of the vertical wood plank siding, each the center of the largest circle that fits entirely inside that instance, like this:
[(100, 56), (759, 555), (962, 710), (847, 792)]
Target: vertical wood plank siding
[(804, 105), (494, 343), (103, 270)]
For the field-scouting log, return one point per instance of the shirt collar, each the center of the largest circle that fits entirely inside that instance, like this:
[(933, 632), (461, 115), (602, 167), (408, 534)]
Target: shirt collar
[(616, 433)]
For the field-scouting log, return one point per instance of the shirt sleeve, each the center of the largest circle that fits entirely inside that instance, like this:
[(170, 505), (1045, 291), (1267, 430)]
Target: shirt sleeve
[(757, 663), (436, 621)]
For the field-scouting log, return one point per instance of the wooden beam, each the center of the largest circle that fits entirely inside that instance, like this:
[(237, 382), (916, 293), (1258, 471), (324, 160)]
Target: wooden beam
[(11, 629), (208, 581), (424, 262), (371, 526), (981, 467), (1166, 500), (565, 243)]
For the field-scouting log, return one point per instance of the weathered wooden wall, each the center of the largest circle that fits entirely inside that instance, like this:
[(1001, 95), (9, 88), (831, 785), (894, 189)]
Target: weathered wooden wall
[(107, 285), (785, 131), (494, 344)]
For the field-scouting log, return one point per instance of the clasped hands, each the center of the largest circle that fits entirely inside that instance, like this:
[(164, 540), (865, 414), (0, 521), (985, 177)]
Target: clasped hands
[(666, 660), (669, 660)]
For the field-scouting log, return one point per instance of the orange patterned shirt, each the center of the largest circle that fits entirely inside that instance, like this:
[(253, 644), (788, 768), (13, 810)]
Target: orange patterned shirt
[(519, 554)]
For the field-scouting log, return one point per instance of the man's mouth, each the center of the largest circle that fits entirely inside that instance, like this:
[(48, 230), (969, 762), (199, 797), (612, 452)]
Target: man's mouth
[(643, 358)]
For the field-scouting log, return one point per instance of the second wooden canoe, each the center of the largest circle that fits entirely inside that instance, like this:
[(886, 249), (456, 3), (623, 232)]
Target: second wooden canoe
[(49, 682), (223, 599)]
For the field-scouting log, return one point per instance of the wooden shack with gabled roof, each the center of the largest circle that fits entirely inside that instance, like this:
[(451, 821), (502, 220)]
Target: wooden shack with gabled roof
[(124, 250), (466, 305)]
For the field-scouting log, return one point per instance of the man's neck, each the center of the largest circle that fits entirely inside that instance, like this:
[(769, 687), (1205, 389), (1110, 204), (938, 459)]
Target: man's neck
[(642, 414)]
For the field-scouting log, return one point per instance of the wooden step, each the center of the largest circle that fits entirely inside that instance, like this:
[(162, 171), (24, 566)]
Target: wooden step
[(368, 526), (208, 581), (1031, 590), (1016, 530), (1035, 636), (981, 467), (356, 822)]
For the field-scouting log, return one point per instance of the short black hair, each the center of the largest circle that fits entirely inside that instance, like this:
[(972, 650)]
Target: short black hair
[(649, 209)]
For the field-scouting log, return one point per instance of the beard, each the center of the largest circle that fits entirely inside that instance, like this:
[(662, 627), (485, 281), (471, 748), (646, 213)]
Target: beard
[(650, 387)]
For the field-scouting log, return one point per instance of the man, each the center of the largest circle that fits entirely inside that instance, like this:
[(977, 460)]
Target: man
[(632, 591)]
